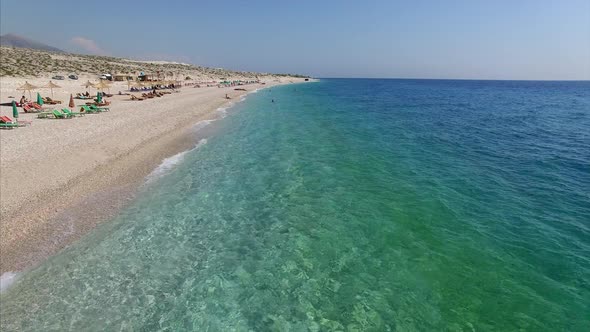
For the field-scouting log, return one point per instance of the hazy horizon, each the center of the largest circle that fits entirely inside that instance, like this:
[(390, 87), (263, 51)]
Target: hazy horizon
[(527, 40)]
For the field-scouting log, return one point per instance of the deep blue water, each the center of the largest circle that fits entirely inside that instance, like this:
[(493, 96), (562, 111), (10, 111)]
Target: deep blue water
[(348, 205)]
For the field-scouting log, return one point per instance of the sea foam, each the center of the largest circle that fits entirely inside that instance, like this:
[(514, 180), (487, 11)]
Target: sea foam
[(6, 280), (170, 163)]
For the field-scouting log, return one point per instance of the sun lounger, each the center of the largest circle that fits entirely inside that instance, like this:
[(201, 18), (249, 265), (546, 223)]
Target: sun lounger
[(101, 109), (98, 104), (37, 106), (71, 114), (82, 96), (51, 101), (8, 120), (28, 108), (60, 115), (86, 109), (8, 125), (136, 98)]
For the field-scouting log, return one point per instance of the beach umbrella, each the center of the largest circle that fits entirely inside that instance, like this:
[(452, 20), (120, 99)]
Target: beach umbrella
[(102, 85), (98, 97), (71, 104), (138, 85), (129, 84), (27, 87), (88, 84), (14, 110), (39, 99), (52, 85)]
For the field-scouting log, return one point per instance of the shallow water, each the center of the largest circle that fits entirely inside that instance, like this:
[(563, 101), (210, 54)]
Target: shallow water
[(359, 205)]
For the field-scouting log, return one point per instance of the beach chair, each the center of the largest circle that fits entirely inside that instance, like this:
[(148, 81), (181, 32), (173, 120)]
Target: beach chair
[(100, 109), (51, 101), (8, 125), (37, 106), (28, 108), (71, 114), (87, 110), (60, 115), (8, 120)]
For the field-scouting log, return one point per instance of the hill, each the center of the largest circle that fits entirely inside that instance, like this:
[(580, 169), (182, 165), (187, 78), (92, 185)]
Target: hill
[(21, 62), (12, 40)]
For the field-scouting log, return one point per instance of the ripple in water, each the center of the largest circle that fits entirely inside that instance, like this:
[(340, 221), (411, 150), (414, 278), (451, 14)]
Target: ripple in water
[(357, 205)]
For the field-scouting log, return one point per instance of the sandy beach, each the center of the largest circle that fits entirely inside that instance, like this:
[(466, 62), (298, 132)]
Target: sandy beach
[(60, 178)]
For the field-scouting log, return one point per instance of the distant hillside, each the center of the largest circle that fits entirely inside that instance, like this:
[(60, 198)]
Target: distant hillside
[(25, 62), (12, 40)]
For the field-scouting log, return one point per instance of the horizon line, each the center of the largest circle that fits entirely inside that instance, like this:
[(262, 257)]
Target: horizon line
[(454, 79)]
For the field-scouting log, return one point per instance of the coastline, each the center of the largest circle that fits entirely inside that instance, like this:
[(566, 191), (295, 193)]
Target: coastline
[(54, 193)]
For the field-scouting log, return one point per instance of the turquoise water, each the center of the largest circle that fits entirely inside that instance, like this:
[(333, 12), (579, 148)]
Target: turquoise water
[(348, 205)]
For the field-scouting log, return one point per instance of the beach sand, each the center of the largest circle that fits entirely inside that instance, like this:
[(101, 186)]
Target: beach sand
[(60, 178)]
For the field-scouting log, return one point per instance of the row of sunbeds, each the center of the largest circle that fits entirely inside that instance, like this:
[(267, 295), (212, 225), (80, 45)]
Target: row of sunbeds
[(150, 95), (7, 122), (66, 113)]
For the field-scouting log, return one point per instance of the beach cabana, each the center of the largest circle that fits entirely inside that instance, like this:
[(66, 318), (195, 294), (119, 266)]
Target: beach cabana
[(27, 87), (51, 86), (122, 77)]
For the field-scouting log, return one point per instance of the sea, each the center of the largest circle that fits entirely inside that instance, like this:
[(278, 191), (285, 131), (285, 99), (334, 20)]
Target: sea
[(346, 205)]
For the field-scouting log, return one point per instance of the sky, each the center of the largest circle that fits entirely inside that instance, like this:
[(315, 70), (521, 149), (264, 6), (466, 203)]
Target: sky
[(454, 39)]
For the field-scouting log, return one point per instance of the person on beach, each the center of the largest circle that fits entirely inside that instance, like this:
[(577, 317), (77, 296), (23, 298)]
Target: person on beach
[(23, 100)]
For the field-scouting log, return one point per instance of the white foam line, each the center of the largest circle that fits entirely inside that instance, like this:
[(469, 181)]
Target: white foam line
[(7, 279), (170, 163)]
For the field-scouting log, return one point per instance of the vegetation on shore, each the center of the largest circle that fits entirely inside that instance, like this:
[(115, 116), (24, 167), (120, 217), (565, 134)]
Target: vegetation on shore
[(23, 62)]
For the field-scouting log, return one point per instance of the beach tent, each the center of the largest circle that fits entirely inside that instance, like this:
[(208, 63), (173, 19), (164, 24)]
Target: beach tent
[(39, 99), (51, 86), (14, 109), (27, 87)]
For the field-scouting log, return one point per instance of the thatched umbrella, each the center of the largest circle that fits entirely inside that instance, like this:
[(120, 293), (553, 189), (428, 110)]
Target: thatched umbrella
[(52, 85), (102, 85), (71, 104), (138, 85), (129, 83), (27, 87), (88, 84)]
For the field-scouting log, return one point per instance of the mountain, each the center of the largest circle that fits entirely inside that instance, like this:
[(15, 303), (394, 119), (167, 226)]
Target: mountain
[(12, 40)]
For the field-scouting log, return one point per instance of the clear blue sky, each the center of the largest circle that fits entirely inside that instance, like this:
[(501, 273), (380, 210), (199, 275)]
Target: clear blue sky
[(499, 39)]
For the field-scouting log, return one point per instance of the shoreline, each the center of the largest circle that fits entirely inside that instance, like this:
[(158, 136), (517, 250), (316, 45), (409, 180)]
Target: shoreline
[(55, 215)]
